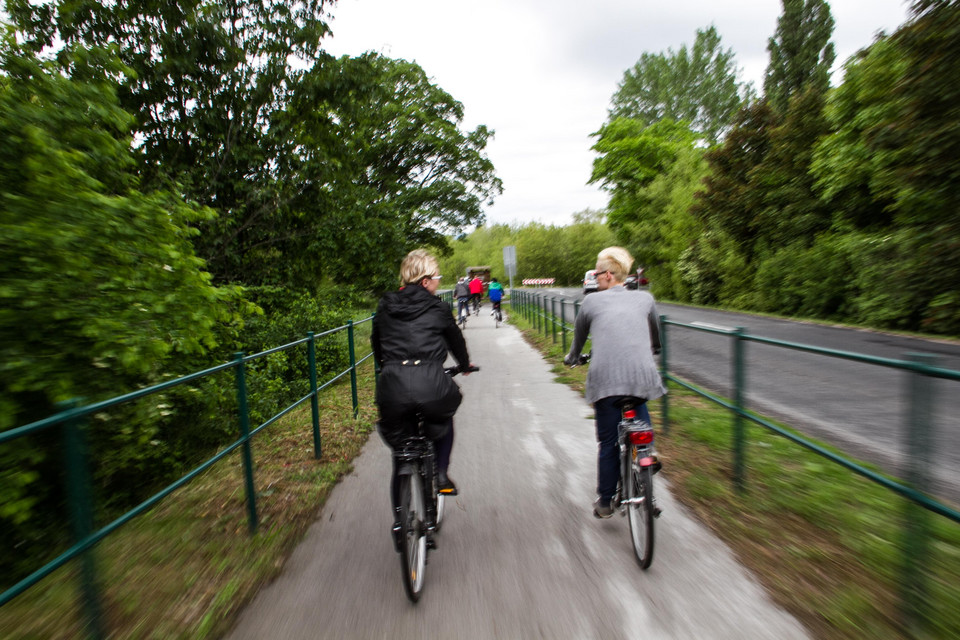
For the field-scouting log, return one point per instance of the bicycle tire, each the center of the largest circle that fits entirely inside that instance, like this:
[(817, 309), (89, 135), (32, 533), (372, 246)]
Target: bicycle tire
[(413, 535), (441, 504), (640, 516)]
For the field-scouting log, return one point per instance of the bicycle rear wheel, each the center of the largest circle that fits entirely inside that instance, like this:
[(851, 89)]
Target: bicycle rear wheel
[(640, 512), (413, 534)]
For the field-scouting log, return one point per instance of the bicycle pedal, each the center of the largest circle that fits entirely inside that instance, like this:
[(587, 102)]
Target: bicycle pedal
[(431, 543)]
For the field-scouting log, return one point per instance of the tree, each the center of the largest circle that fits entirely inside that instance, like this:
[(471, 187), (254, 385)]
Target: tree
[(698, 86), (225, 118), (411, 176), (896, 151), (801, 53), (99, 284), (631, 156)]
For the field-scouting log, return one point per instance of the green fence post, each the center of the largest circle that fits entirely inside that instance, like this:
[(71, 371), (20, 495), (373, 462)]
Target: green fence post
[(353, 370), (738, 426), (919, 446), (81, 514), (245, 436), (553, 319), (665, 374), (563, 325), (314, 401)]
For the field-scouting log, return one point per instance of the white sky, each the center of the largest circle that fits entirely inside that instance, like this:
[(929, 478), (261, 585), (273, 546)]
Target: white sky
[(541, 72)]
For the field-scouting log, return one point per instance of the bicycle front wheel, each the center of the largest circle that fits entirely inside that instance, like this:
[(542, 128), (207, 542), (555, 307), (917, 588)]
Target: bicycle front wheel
[(640, 512), (413, 534)]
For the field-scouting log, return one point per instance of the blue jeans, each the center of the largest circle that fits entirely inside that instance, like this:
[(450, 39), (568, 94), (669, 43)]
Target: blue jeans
[(461, 306), (607, 416)]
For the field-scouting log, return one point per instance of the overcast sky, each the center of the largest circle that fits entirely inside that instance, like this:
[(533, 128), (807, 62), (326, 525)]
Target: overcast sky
[(541, 72)]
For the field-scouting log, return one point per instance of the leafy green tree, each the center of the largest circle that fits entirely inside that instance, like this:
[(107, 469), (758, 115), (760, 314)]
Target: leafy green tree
[(698, 85), (788, 208), (277, 149), (729, 200), (631, 156), (410, 175), (895, 151), (801, 52), (850, 168), (99, 285), (659, 237)]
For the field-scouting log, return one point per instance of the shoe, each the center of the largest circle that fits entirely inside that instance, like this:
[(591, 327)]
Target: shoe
[(446, 484), (602, 511)]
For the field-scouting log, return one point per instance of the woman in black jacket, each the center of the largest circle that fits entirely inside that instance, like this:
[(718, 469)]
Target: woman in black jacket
[(412, 332)]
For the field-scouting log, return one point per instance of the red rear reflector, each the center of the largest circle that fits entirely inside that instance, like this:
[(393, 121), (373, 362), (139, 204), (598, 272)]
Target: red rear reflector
[(630, 414), (641, 437)]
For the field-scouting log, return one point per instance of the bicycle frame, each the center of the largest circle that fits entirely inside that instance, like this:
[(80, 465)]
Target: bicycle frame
[(635, 436), (418, 455)]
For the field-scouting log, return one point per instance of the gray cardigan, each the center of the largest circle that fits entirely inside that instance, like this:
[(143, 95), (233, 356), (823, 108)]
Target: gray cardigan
[(625, 332)]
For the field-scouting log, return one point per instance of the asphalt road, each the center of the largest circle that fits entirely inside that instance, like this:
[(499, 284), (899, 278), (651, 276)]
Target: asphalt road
[(520, 555), (863, 409)]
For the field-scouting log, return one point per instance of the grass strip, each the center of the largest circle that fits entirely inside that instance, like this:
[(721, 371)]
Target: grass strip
[(186, 569), (827, 543)]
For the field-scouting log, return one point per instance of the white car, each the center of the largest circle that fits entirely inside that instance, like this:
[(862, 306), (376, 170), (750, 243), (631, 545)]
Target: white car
[(589, 281)]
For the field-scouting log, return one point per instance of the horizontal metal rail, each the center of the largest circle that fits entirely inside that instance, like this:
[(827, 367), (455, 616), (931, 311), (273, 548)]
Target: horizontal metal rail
[(75, 414)]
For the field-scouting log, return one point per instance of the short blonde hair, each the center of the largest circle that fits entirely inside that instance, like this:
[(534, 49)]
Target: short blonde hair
[(418, 265), (616, 260)]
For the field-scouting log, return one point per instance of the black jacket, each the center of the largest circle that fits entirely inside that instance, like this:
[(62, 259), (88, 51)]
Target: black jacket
[(412, 333), (411, 324)]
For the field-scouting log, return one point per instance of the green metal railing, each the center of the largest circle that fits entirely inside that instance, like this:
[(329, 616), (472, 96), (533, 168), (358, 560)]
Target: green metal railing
[(919, 431), (73, 419), (547, 314), (540, 311)]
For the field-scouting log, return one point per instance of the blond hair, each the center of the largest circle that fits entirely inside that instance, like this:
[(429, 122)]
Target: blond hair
[(616, 260), (416, 266)]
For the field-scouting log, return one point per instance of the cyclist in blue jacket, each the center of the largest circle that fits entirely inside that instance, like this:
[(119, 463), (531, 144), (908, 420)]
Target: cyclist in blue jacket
[(496, 295)]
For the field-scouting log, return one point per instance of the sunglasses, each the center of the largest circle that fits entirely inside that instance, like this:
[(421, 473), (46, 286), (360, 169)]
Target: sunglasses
[(433, 277), (600, 273)]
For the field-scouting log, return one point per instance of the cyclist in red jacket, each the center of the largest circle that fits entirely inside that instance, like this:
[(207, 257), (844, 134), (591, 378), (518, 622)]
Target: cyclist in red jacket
[(476, 292)]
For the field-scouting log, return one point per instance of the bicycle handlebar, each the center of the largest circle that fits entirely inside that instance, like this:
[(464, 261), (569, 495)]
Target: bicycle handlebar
[(583, 359), (452, 371)]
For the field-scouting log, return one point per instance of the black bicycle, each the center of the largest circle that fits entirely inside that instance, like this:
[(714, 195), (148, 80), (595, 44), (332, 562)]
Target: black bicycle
[(421, 503), (497, 315), (464, 313), (638, 463)]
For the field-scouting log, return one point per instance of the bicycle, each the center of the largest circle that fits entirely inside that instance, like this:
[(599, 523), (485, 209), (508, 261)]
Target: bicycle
[(476, 304), (638, 463), (464, 313), (634, 496), (497, 315), (421, 503)]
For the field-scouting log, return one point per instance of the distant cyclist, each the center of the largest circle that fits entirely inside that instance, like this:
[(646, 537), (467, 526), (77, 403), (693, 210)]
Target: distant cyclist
[(462, 293), (476, 292), (625, 334), (495, 292)]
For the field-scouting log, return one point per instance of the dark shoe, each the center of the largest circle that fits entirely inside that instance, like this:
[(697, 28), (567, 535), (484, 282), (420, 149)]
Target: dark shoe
[(602, 510), (657, 465), (446, 484)]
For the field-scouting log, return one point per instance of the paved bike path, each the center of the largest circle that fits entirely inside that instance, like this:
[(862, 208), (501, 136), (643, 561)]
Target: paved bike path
[(520, 554)]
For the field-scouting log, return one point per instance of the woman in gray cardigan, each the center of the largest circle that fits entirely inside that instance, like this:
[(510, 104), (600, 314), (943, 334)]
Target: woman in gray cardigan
[(625, 335)]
